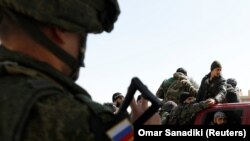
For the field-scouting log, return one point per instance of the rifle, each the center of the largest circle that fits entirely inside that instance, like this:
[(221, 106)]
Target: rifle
[(135, 85)]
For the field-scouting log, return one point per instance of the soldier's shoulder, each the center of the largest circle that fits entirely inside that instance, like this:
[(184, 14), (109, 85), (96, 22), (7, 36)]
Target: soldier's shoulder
[(59, 114), (169, 80)]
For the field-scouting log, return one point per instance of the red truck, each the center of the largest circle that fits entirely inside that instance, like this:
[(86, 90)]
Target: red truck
[(237, 114)]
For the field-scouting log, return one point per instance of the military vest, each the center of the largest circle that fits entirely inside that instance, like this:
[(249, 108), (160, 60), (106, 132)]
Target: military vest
[(21, 89)]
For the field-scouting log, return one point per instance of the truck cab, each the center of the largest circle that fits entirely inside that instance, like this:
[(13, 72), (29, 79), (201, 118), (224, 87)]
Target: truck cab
[(237, 114)]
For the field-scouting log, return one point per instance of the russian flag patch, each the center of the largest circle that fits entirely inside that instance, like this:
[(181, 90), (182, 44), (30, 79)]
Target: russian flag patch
[(123, 131)]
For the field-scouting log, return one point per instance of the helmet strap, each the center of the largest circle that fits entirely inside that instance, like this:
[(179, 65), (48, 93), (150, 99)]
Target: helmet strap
[(37, 35)]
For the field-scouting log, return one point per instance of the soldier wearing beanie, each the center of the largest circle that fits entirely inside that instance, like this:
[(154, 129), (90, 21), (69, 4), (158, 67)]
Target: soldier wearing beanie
[(213, 85), (215, 64), (184, 96), (117, 99), (182, 70), (171, 88)]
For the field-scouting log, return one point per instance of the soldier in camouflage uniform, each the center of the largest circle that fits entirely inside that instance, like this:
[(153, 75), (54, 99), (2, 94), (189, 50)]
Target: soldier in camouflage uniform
[(166, 83), (171, 88), (184, 113), (43, 46), (166, 110)]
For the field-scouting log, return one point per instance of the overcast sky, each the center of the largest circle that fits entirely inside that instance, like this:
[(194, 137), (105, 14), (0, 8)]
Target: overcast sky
[(152, 38)]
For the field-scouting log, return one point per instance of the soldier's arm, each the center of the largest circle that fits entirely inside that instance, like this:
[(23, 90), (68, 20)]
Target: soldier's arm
[(60, 118), (164, 87), (200, 91), (197, 107), (160, 92), (194, 83), (188, 86), (220, 96)]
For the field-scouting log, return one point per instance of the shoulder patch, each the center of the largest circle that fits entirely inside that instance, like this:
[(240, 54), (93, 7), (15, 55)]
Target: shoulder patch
[(122, 131)]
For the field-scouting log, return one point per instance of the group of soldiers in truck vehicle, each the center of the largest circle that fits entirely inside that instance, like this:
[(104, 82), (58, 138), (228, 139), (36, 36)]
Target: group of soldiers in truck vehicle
[(186, 99)]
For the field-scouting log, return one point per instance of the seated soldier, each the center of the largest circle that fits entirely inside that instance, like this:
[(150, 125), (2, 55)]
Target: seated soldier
[(165, 111), (184, 113)]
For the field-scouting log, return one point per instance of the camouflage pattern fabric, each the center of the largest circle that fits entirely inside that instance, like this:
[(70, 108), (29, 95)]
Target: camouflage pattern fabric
[(76, 16), (79, 16), (45, 114), (165, 118), (55, 112), (181, 83), (164, 87), (45, 123), (185, 113), (166, 108)]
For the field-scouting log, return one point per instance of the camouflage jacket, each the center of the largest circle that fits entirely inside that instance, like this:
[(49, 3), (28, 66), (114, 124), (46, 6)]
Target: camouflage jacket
[(185, 113), (215, 88), (164, 118), (37, 103), (164, 87), (173, 87)]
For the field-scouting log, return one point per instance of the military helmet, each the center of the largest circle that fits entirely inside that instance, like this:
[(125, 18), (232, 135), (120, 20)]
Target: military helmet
[(78, 16), (93, 16)]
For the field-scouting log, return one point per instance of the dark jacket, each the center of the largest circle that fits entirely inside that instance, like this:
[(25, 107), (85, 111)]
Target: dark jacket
[(164, 87), (232, 95), (216, 89)]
